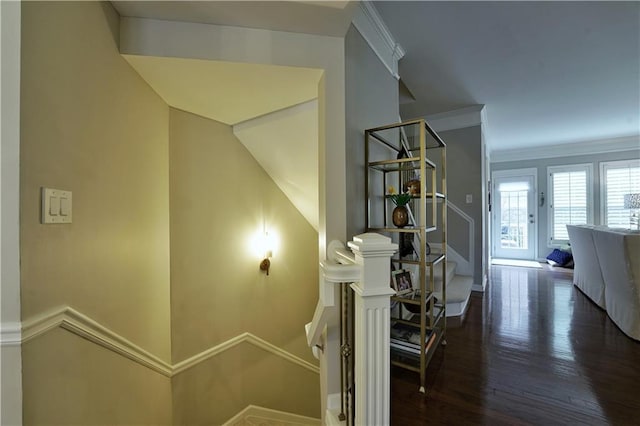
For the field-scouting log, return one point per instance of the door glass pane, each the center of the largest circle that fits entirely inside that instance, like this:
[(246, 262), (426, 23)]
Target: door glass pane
[(514, 220)]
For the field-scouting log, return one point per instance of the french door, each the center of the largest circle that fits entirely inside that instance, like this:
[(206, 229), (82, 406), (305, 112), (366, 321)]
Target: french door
[(514, 214)]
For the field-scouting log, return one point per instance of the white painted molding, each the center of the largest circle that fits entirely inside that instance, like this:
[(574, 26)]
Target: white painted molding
[(334, 273), (83, 326), (568, 149), (254, 414), (243, 338), (10, 334), (480, 287), (368, 22)]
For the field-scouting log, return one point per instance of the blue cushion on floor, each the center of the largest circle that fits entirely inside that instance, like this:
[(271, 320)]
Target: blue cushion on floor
[(559, 258)]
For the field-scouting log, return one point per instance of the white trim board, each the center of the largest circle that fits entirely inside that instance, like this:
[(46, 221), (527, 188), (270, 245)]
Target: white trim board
[(255, 415), (600, 146), (10, 334), (77, 323), (373, 29)]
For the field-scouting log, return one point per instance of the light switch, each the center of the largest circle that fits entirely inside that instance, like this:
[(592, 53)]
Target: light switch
[(469, 198), (56, 206), (65, 206)]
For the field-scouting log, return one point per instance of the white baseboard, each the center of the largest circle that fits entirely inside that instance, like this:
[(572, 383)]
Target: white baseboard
[(480, 287), (255, 415)]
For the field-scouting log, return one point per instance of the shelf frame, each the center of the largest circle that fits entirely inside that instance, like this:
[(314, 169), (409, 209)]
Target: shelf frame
[(392, 141)]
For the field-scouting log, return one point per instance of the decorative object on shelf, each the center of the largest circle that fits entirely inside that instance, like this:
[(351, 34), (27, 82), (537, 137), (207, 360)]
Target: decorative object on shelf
[(400, 216), (632, 202), (402, 283), (406, 244), (412, 187)]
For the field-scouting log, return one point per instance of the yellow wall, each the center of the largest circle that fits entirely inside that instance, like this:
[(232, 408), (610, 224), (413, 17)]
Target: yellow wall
[(91, 125), (71, 381), (220, 199)]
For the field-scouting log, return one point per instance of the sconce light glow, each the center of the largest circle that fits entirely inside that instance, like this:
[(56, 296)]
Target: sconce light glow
[(266, 244)]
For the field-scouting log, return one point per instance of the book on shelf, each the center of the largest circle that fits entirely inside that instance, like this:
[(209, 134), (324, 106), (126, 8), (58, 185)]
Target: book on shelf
[(407, 338)]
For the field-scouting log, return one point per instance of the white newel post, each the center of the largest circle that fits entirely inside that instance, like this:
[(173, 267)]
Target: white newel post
[(372, 252)]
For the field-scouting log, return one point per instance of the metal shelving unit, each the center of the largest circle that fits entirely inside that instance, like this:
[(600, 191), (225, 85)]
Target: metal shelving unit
[(394, 155)]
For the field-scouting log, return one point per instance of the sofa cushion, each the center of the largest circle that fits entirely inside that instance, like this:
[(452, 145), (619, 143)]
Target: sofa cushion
[(559, 258)]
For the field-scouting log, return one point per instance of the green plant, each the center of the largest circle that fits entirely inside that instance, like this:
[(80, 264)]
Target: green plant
[(398, 199)]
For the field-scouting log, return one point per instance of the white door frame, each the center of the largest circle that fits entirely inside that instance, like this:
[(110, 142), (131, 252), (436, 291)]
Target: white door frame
[(533, 209)]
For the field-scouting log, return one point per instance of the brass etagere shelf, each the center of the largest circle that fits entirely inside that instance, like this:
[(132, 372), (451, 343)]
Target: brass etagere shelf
[(394, 155)]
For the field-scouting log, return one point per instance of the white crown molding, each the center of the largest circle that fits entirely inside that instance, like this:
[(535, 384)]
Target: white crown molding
[(474, 115), (10, 334), (254, 414), (83, 326), (601, 146), (368, 22)]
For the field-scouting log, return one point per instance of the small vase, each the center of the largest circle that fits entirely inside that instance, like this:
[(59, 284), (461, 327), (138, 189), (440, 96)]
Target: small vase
[(400, 216)]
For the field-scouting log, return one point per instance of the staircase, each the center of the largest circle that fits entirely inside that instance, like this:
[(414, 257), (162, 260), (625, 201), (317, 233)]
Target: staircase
[(458, 289)]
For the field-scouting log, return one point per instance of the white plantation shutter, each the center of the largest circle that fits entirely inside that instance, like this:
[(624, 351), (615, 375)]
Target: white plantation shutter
[(619, 178), (570, 200)]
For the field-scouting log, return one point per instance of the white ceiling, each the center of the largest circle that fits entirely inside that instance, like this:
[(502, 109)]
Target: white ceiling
[(224, 91), (548, 72)]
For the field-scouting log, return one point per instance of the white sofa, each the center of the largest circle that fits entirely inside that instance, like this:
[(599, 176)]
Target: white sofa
[(587, 275), (619, 258), (607, 270)]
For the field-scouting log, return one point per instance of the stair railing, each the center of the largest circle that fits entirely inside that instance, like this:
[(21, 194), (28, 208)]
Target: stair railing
[(363, 273)]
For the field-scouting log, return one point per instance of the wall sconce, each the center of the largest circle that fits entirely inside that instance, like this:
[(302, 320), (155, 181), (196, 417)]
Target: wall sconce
[(267, 249)]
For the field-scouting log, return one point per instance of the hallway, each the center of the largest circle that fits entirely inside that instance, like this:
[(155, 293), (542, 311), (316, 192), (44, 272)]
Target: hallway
[(533, 351)]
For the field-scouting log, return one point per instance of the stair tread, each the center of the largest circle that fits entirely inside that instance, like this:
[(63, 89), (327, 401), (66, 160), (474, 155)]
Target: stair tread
[(459, 288)]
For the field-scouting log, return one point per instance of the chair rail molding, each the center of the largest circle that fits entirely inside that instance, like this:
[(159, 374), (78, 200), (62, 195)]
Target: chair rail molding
[(81, 325), (10, 334), (77, 323)]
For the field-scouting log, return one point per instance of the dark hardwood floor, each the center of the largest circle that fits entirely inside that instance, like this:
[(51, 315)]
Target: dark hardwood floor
[(532, 350)]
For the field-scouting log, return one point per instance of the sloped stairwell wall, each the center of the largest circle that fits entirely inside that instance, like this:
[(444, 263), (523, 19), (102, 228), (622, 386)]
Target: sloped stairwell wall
[(220, 200)]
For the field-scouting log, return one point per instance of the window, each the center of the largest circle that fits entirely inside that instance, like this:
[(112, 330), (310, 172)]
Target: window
[(618, 178), (570, 200)]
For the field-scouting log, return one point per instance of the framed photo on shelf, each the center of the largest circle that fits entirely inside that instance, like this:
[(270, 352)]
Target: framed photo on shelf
[(402, 283)]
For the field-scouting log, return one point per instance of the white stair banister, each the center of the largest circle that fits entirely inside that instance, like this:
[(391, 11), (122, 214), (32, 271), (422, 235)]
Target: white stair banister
[(372, 304)]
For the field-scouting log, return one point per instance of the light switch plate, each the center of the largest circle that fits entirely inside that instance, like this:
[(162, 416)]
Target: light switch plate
[(469, 198), (51, 199)]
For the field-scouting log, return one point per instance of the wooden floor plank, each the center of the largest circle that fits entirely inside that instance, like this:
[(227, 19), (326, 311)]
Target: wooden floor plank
[(532, 350)]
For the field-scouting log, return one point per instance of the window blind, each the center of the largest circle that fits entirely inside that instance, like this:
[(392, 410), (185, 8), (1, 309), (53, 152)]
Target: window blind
[(569, 197), (619, 180)]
